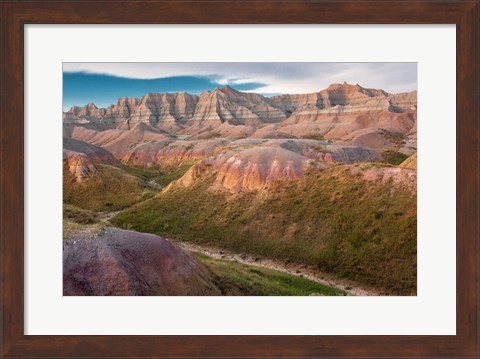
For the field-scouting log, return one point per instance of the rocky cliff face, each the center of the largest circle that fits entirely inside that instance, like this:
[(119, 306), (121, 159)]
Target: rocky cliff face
[(343, 98), (212, 109), (403, 101), (154, 108), (85, 114), (238, 108), (122, 111), (151, 108), (244, 139), (120, 141)]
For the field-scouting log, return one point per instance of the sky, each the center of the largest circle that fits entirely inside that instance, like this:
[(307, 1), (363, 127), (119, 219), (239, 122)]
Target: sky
[(104, 83)]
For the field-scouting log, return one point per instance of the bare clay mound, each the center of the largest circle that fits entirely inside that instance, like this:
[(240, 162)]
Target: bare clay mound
[(249, 169), (119, 262), (82, 158)]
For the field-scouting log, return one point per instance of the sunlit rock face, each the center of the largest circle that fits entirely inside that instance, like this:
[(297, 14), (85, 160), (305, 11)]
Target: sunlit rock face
[(165, 107), (397, 176), (85, 114), (253, 169), (344, 98), (119, 141), (193, 114), (410, 162), (121, 112), (151, 108), (249, 169), (238, 108), (170, 153), (81, 159)]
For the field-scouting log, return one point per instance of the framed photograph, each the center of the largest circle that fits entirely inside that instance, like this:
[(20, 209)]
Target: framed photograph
[(240, 179)]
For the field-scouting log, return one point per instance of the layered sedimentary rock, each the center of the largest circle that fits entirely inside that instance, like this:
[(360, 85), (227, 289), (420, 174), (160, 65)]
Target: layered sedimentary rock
[(122, 111), (403, 101), (238, 108), (410, 162), (343, 98), (81, 158), (161, 153), (251, 164), (120, 141), (193, 114), (249, 169), (151, 108), (352, 123), (85, 114), (120, 262)]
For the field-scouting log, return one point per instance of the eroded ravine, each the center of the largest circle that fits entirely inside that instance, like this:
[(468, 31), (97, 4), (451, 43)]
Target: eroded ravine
[(295, 269)]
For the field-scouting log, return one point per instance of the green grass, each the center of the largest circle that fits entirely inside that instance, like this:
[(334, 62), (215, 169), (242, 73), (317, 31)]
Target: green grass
[(343, 225), (315, 136), (79, 215), (146, 194), (234, 278), (160, 176), (113, 188), (91, 230), (393, 157), (108, 189)]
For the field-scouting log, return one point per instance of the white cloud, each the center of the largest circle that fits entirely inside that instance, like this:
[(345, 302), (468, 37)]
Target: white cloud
[(278, 77)]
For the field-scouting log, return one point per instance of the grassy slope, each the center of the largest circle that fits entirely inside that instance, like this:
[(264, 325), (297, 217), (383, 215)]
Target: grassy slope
[(109, 189), (393, 157), (77, 219), (161, 176), (112, 188), (79, 215), (233, 278), (343, 225)]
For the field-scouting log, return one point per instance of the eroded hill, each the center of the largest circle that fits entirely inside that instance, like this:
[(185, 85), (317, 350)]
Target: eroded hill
[(326, 179)]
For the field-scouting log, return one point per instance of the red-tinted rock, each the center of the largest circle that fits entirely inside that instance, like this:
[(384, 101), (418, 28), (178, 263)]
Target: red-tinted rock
[(120, 262)]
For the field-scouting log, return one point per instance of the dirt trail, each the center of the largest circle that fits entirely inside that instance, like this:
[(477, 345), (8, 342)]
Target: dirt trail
[(107, 216), (290, 268)]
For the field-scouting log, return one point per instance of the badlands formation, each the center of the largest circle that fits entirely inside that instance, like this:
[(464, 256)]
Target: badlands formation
[(325, 179), (247, 139)]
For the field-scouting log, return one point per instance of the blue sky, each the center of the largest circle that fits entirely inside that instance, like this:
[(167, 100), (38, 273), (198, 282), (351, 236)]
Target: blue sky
[(80, 88), (104, 83)]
